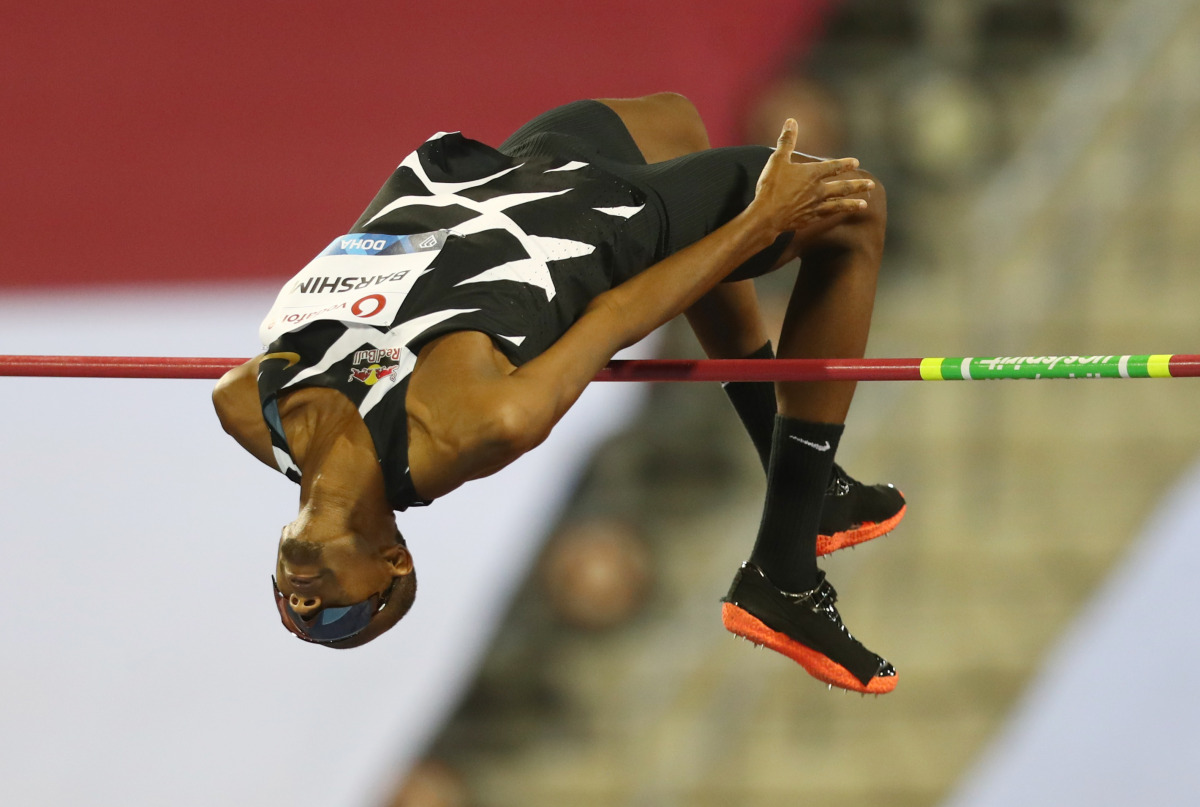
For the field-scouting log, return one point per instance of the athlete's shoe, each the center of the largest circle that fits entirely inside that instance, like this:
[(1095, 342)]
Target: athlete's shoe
[(806, 628), (854, 513)]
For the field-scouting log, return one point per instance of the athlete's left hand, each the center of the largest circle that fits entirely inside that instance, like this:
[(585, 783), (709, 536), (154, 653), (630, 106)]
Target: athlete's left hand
[(798, 195)]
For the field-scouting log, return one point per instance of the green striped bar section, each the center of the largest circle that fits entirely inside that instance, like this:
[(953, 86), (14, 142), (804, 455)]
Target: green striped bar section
[(1032, 367)]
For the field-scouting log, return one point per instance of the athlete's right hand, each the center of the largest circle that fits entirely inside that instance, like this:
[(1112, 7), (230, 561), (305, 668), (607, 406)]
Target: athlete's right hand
[(800, 195)]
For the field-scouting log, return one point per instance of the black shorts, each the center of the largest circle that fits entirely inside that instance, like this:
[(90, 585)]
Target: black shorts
[(695, 193)]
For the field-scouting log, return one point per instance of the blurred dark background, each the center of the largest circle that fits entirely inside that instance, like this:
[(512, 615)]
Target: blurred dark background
[(1042, 174)]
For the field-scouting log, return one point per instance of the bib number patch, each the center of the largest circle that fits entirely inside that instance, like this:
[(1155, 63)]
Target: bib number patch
[(361, 277)]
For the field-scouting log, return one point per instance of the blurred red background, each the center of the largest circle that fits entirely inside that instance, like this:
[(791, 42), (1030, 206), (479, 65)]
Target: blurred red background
[(153, 142)]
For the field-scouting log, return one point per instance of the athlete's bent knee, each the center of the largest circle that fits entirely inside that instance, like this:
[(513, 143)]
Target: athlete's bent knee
[(860, 232)]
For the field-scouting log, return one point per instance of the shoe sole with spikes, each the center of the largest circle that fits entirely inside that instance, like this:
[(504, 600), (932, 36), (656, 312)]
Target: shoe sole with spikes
[(860, 534)]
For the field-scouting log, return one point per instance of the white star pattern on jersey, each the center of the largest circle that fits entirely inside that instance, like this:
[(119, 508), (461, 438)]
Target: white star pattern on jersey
[(284, 462), (357, 336), (574, 165), (619, 212), (532, 270), (528, 270), (395, 299)]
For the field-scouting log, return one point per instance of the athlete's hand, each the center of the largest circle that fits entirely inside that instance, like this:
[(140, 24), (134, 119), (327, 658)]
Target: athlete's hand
[(799, 195)]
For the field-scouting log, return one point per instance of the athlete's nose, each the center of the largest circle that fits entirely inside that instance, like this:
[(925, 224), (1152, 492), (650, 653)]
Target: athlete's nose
[(305, 606)]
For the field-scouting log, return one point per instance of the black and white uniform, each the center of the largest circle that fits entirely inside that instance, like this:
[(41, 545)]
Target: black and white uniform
[(513, 243)]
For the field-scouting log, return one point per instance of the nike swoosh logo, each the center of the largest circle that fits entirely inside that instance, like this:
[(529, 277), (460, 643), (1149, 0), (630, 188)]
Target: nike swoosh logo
[(818, 446), (289, 357)]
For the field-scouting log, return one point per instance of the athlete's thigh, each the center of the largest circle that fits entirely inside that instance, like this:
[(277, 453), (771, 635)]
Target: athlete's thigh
[(664, 125), (703, 191)]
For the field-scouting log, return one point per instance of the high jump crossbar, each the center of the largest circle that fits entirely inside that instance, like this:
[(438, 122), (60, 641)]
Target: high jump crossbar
[(1163, 365)]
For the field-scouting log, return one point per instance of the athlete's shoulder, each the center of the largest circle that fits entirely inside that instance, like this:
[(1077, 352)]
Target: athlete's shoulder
[(239, 409)]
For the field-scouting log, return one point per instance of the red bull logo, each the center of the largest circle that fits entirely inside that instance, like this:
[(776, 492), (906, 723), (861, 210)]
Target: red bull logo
[(374, 373)]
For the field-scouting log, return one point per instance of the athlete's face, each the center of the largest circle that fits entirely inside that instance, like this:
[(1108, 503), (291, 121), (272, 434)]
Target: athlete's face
[(338, 571)]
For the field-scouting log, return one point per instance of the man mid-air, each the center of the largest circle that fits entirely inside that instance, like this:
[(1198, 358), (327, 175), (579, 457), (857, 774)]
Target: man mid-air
[(481, 291)]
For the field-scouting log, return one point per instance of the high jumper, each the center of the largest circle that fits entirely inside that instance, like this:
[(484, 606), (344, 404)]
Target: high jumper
[(483, 289)]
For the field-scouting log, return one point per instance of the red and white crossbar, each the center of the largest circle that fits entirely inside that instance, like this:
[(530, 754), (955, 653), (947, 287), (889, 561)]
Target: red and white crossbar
[(1162, 365)]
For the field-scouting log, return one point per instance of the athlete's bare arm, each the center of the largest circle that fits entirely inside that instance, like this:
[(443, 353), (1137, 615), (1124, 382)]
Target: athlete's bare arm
[(472, 413), (240, 411)]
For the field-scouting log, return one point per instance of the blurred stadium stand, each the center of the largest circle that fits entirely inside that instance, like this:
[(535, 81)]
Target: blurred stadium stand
[(1044, 189), (1043, 183)]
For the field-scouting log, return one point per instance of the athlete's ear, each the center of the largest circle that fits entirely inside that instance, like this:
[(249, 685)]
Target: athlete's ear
[(399, 559)]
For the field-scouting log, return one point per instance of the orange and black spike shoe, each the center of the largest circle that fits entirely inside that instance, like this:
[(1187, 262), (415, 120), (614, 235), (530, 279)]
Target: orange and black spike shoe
[(806, 628), (853, 513)]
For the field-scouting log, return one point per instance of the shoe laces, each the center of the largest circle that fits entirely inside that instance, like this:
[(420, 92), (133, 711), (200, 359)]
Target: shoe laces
[(819, 598), (839, 482)]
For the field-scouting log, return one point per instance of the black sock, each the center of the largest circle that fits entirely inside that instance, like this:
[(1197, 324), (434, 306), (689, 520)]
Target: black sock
[(754, 402), (801, 460)]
